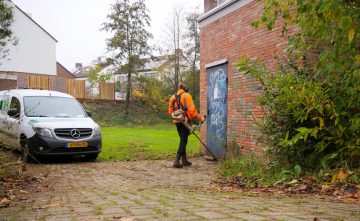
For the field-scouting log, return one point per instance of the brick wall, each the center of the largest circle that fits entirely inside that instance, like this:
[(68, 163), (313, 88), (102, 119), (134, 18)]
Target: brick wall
[(6, 84), (62, 72), (22, 79), (231, 37)]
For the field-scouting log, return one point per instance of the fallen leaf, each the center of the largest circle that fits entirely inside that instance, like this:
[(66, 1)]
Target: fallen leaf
[(341, 175), (293, 182), (127, 219), (325, 188), (279, 182), (352, 191), (50, 205), (4, 202), (302, 187)]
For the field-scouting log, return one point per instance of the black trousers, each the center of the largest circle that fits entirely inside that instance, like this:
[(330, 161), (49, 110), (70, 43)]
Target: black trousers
[(183, 134)]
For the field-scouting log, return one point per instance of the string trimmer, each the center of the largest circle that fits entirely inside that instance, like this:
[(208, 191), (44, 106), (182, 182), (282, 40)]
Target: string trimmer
[(178, 115)]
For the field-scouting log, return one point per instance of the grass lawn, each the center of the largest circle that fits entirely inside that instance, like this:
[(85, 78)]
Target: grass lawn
[(148, 142)]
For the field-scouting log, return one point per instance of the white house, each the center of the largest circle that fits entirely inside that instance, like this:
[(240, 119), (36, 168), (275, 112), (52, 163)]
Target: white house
[(35, 52), (154, 67)]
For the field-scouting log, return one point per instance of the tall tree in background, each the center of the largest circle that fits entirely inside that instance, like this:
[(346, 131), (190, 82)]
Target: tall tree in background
[(192, 51), (174, 41), (128, 22), (6, 35)]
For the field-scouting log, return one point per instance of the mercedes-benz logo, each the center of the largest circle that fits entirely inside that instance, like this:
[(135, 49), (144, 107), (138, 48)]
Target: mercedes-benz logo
[(75, 133)]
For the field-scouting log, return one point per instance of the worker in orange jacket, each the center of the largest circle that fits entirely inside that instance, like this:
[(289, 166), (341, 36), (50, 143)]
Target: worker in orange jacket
[(182, 104)]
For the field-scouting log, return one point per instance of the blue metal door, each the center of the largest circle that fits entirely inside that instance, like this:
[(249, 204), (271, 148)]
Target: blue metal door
[(216, 134)]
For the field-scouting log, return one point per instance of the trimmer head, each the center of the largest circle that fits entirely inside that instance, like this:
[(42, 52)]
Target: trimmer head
[(210, 158)]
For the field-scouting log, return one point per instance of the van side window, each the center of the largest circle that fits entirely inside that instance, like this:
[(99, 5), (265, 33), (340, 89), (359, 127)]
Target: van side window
[(15, 103), (4, 103)]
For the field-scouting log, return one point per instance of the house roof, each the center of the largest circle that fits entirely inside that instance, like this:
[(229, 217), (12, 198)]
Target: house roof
[(149, 64), (81, 72), (154, 63), (171, 58), (32, 20)]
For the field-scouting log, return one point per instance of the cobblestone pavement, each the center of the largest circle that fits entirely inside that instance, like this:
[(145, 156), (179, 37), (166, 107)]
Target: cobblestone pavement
[(152, 190)]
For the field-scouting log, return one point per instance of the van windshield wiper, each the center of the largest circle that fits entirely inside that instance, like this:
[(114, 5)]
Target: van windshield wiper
[(64, 116), (39, 115)]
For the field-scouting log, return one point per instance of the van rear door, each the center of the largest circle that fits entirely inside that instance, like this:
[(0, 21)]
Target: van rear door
[(11, 124), (4, 106)]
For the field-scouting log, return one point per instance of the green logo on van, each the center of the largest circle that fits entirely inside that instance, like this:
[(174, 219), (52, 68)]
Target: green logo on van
[(32, 122)]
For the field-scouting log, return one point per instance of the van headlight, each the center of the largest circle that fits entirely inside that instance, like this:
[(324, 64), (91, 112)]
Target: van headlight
[(43, 132), (97, 130)]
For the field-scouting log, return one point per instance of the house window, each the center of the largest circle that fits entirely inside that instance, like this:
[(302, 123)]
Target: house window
[(152, 75), (122, 79), (222, 1)]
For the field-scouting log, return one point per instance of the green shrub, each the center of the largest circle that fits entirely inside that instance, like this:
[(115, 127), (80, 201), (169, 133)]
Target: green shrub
[(153, 93), (257, 171), (313, 106)]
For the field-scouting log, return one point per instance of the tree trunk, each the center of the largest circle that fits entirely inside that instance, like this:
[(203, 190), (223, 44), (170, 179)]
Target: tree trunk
[(176, 71), (194, 82), (128, 95)]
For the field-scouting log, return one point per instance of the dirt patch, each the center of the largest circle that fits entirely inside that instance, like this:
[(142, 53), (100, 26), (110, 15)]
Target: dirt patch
[(297, 187), (14, 177)]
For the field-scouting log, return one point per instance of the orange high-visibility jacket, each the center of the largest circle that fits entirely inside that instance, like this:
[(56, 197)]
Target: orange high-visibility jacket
[(186, 102)]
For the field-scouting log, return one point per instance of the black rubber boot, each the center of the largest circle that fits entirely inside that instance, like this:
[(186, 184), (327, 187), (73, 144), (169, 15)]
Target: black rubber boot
[(185, 162), (177, 163)]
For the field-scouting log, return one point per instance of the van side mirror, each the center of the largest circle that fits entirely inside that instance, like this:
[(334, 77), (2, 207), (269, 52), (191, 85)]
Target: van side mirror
[(12, 112), (88, 113)]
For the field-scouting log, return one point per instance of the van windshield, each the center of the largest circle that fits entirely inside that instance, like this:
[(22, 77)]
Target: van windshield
[(53, 107)]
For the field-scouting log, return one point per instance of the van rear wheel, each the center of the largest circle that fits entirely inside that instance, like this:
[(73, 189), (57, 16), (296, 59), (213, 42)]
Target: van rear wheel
[(91, 156)]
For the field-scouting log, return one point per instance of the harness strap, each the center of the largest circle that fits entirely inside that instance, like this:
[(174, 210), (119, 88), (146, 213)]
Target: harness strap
[(185, 107), (177, 101)]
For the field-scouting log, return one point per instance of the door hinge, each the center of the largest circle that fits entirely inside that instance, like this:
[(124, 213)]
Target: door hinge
[(227, 80)]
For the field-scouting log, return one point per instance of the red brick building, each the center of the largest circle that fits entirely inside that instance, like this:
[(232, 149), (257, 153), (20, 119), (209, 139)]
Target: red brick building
[(62, 72), (229, 97)]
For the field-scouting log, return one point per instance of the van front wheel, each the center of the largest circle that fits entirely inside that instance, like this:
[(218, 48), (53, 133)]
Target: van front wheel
[(91, 156)]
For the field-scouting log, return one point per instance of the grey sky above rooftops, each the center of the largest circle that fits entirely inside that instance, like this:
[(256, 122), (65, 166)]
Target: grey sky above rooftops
[(76, 24)]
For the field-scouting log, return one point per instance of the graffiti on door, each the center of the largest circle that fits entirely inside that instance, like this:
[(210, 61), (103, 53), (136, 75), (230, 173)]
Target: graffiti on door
[(217, 109)]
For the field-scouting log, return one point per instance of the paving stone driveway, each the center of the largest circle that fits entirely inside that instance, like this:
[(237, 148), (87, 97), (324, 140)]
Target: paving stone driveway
[(152, 190)]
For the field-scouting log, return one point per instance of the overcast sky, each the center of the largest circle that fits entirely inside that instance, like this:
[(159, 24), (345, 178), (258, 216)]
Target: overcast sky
[(76, 24)]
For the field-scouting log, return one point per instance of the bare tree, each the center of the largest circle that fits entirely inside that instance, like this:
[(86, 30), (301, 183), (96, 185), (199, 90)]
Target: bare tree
[(174, 41), (192, 49)]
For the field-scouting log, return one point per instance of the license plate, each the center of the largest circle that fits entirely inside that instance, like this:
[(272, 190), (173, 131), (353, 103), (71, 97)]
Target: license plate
[(77, 144)]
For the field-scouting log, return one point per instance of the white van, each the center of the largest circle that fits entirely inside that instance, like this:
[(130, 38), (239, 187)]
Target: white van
[(47, 123)]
